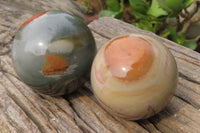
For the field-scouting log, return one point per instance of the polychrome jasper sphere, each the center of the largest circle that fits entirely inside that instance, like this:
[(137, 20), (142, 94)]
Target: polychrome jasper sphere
[(134, 76), (51, 51)]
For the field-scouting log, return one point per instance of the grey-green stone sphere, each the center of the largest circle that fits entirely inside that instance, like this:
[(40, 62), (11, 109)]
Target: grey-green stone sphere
[(51, 51)]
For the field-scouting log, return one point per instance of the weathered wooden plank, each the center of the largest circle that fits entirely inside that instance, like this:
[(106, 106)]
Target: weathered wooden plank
[(11, 19), (148, 125), (35, 6), (189, 92), (23, 110), (177, 117)]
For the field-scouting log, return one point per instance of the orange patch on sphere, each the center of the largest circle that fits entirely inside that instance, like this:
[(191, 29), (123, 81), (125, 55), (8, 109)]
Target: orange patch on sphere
[(31, 19), (129, 57), (55, 64)]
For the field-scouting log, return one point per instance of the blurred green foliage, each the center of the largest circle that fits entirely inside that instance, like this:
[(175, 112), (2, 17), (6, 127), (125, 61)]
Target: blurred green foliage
[(89, 7), (150, 15)]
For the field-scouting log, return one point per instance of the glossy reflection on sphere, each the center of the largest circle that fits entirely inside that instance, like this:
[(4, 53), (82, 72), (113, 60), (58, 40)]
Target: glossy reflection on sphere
[(51, 51), (134, 76)]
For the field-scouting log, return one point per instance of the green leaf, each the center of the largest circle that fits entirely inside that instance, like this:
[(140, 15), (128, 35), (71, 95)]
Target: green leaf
[(164, 5), (113, 5), (173, 7), (146, 17), (114, 14), (155, 10), (121, 5), (187, 3), (190, 44), (139, 6), (146, 25), (173, 34), (166, 34), (181, 39), (89, 7), (119, 15), (107, 13)]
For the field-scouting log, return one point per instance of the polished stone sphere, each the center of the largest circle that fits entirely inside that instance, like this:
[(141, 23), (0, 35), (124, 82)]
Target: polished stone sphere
[(134, 76), (52, 51)]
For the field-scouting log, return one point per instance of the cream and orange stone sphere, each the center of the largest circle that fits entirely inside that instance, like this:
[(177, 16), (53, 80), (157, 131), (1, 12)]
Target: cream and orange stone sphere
[(134, 76)]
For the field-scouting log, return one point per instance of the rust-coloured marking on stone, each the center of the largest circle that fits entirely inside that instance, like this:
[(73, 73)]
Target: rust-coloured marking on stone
[(55, 64), (31, 19)]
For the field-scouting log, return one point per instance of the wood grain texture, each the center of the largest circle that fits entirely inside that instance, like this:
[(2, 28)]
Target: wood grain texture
[(24, 111)]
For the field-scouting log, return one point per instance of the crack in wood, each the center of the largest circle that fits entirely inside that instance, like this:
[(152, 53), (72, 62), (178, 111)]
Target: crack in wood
[(189, 88), (77, 114), (188, 78), (88, 91), (28, 113), (22, 92), (8, 101), (185, 123), (97, 117), (190, 95), (124, 124), (24, 110), (73, 117), (150, 127), (148, 130), (169, 125), (159, 131), (6, 113), (191, 62), (48, 113), (186, 101)]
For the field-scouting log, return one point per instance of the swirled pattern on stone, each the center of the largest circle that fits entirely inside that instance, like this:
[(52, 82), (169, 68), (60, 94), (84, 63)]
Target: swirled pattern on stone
[(134, 76)]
